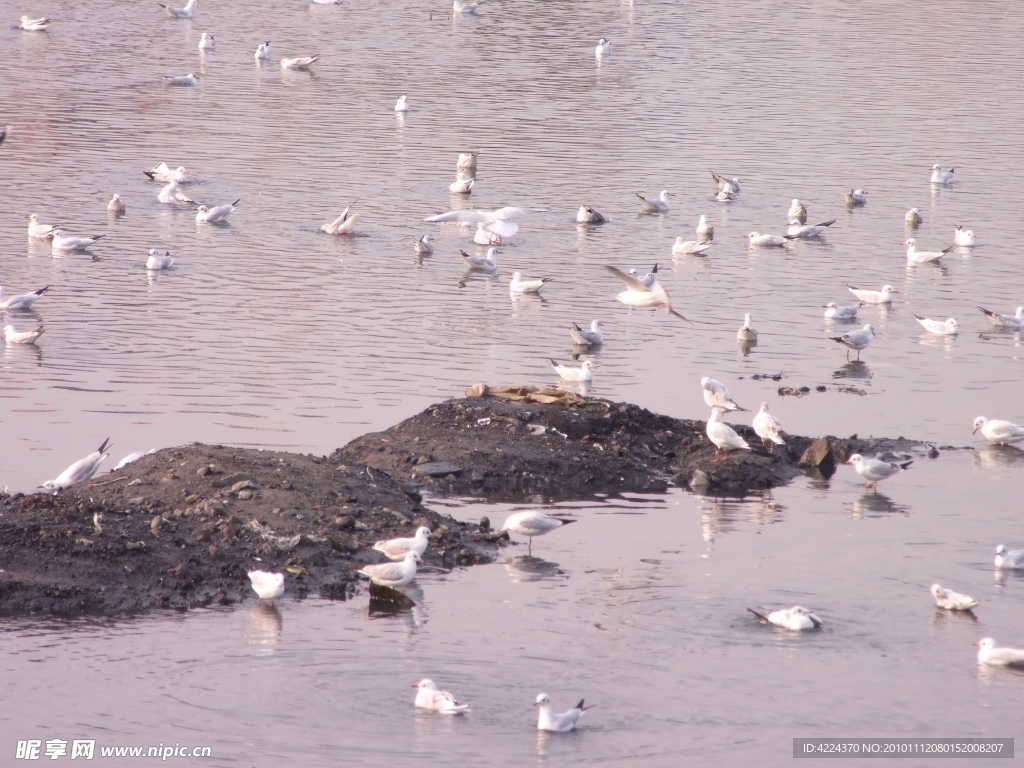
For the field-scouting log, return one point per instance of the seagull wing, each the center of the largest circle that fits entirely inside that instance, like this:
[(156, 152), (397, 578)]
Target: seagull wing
[(462, 217), (632, 283)]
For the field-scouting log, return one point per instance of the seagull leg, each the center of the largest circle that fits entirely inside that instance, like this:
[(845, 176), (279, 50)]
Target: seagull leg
[(529, 547)]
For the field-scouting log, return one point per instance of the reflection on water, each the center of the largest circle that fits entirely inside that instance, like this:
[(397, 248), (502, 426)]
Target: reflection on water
[(528, 568), (721, 515), (264, 629), (854, 369), (874, 504), (998, 456)]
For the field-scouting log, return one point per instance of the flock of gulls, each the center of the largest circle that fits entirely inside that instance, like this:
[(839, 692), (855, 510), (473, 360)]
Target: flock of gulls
[(493, 228)]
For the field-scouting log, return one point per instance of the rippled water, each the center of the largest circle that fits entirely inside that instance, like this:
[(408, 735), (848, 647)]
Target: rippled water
[(270, 334)]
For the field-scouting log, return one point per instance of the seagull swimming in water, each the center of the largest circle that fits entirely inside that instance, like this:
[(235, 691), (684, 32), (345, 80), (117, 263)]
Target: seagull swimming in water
[(424, 246), (883, 296), (940, 176), (592, 338), (798, 229), (587, 215), (463, 6), (21, 302), (1012, 322), (39, 231), (188, 12), (1012, 560), (569, 373), (183, 80), (658, 204), (345, 223), (498, 222), (835, 311), (62, 242), (915, 256), (300, 63), (797, 618), (747, 334), (170, 195), (952, 601), (463, 184), (13, 336), (689, 247), (156, 261), (856, 197), (797, 212), (402, 105), (521, 284), (913, 218), (428, 697), (758, 240), (263, 52), (989, 653), (484, 263), (604, 48), (549, 720), (34, 25), (116, 206), (216, 214), (207, 43), (964, 237), (948, 327)]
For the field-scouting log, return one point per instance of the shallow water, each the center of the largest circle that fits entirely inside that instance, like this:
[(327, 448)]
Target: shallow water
[(270, 334)]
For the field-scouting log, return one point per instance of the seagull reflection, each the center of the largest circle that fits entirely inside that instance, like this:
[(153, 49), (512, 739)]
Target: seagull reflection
[(529, 568), (931, 340), (476, 274), (875, 505), (413, 618), (581, 388), (746, 346), (941, 616), (264, 631), (855, 369), (998, 456), (987, 672)]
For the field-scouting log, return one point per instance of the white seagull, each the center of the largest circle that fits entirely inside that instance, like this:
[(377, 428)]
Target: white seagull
[(157, 261), (796, 618), (725, 195), (300, 63), (532, 524), (874, 470), (462, 6), (13, 336), (562, 722), (345, 223), (569, 373), (21, 301), (689, 247), (81, 470), (704, 230), (767, 427), (856, 340), (39, 231), (520, 284), (1014, 322), (485, 263), (164, 173), (952, 601), (263, 52), (184, 80), (988, 653), (747, 333), (883, 296), (428, 697), (402, 105), (393, 574), (170, 194), (133, 457), (207, 43), (34, 25), (758, 240), (915, 256), (723, 436), (267, 586), (998, 431), (798, 229), (797, 212), (835, 311), (940, 176), (594, 337), (116, 206), (913, 218), (215, 215), (180, 13), (397, 549), (424, 246), (856, 197), (948, 327), (1012, 560), (498, 222), (463, 184), (467, 161), (648, 279), (62, 242), (963, 237), (639, 295), (587, 215), (657, 205), (484, 236), (717, 395), (732, 186), (604, 48)]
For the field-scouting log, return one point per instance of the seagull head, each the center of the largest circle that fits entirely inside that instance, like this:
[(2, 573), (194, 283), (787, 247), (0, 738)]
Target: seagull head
[(587, 365), (542, 700), (870, 328), (830, 305), (978, 424), (910, 242), (422, 532), (517, 276), (426, 684), (986, 644), (855, 459), (952, 323), (888, 289), (936, 167), (764, 407), (413, 556), (1001, 549), (752, 235), (936, 590)]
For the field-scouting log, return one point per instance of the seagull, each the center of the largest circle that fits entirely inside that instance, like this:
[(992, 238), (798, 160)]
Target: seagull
[(301, 63), (873, 297), (796, 618), (185, 80), (767, 427), (485, 263), (996, 431), (520, 284), (22, 301), (834, 311), (1012, 560), (163, 173), (704, 230), (797, 212), (392, 574), (659, 205), (639, 295), (344, 224), (856, 197), (856, 340), (462, 185), (532, 524), (757, 240), (170, 194), (133, 457), (430, 698), (963, 237), (402, 105), (207, 43), (215, 215), (726, 185), (12, 336), (484, 236), (267, 586), (798, 229), (263, 52), (952, 601), (1015, 322), (725, 196), (62, 242), (34, 25), (549, 720), (913, 218), (988, 653), (689, 247), (604, 48), (116, 206), (717, 395), (39, 231), (467, 161), (948, 327), (424, 246), (648, 279), (81, 470), (461, 6), (940, 176), (585, 373), (156, 261), (915, 256), (587, 215), (592, 338), (723, 436), (497, 222), (747, 334), (397, 549), (180, 13), (874, 470)]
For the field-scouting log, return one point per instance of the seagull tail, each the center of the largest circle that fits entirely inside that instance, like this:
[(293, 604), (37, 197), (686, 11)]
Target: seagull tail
[(947, 250), (777, 440), (906, 464), (577, 328), (151, 175), (554, 363), (40, 330), (681, 317), (918, 317), (42, 290), (988, 312), (235, 204), (566, 520), (104, 446), (837, 338), (760, 617), (827, 223), (581, 708)]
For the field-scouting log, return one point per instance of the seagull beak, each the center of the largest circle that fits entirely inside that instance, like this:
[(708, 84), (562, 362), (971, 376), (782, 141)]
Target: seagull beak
[(978, 644), (537, 703), (974, 432), (414, 686)]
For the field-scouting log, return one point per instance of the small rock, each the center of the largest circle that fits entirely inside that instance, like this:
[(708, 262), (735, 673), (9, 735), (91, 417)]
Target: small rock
[(136, 501), (134, 545), (243, 485), (156, 524), (700, 479), (820, 456), (345, 522), (212, 549), (204, 471), (821, 388), (485, 524), (437, 469), (245, 495), (199, 535), (191, 499), (275, 511)]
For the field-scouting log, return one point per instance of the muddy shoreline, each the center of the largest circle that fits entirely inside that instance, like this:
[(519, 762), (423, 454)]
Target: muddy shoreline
[(180, 528)]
